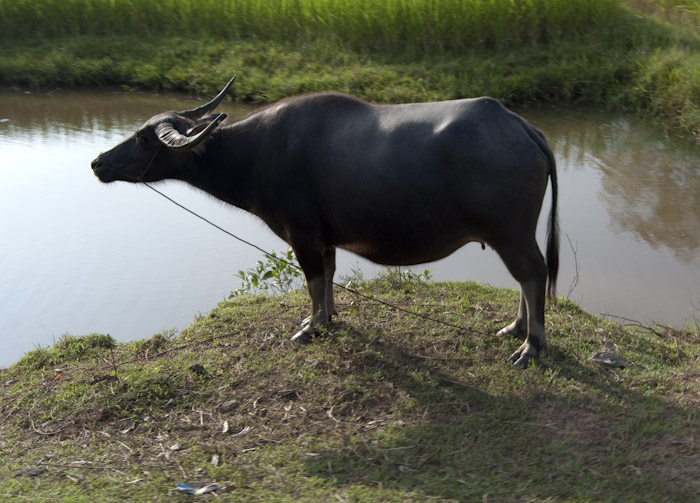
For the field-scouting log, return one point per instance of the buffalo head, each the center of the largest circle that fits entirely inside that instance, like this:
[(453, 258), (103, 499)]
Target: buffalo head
[(155, 150)]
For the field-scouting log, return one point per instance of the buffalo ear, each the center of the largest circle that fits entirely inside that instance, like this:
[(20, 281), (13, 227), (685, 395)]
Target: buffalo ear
[(197, 129), (203, 125), (172, 138)]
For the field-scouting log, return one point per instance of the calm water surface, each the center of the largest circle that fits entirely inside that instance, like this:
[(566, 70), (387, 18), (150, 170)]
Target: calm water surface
[(77, 256)]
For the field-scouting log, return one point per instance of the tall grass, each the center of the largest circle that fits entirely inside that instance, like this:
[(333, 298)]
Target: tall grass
[(367, 24), (678, 12)]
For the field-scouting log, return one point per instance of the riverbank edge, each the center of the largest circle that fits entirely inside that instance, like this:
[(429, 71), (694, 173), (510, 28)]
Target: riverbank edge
[(231, 401), (658, 77)]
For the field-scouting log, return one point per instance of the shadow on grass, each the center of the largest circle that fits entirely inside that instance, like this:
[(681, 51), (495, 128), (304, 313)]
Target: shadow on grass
[(563, 431)]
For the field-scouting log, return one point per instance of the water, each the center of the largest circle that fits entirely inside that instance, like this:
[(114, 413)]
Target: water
[(78, 256)]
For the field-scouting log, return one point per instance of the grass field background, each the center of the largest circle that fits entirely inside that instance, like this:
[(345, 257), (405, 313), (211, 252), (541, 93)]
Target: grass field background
[(395, 25), (638, 55)]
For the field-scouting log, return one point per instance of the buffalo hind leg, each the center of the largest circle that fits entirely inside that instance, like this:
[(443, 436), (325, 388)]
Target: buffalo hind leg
[(517, 329), (528, 267), (329, 270), (317, 267), (535, 341)]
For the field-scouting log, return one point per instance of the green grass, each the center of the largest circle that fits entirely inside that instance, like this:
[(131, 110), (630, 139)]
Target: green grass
[(613, 54), (366, 24), (386, 407), (679, 12)]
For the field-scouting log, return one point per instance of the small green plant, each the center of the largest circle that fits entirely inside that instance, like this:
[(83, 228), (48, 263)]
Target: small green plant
[(77, 346), (395, 277), (274, 275), (355, 278), (156, 343), (67, 348)]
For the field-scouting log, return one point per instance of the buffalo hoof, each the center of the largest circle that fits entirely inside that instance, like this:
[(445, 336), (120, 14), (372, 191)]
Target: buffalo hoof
[(302, 337), (307, 320), (519, 360), (307, 334), (513, 330), (525, 353)]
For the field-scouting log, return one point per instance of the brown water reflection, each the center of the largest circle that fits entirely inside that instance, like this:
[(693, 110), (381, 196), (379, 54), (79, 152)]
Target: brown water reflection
[(655, 193), (43, 114), (650, 184)]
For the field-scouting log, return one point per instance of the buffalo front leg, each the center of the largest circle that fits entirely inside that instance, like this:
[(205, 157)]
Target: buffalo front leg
[(315, 265), (329, 272)]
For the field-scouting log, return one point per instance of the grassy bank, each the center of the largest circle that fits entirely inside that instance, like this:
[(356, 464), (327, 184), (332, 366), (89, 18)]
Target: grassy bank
[(386, 408), (602, 52)]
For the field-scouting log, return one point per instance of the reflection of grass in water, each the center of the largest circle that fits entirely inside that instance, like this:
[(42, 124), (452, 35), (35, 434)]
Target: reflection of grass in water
[(389, 24)]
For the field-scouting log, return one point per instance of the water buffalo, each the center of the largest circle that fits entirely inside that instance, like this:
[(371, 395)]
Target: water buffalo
[(396, 184)]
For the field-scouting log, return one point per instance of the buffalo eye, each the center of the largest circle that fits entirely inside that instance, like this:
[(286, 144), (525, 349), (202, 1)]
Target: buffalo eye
[(140, 137)]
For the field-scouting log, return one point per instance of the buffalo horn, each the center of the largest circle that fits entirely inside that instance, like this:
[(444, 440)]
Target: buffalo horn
[(172, 138), (196, 113)]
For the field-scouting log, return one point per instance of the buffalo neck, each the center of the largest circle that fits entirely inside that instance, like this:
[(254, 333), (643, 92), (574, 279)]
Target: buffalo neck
[(223, 167)]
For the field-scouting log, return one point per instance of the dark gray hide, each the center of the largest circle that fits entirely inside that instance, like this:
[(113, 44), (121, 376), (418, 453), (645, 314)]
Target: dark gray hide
[(396, 184)]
